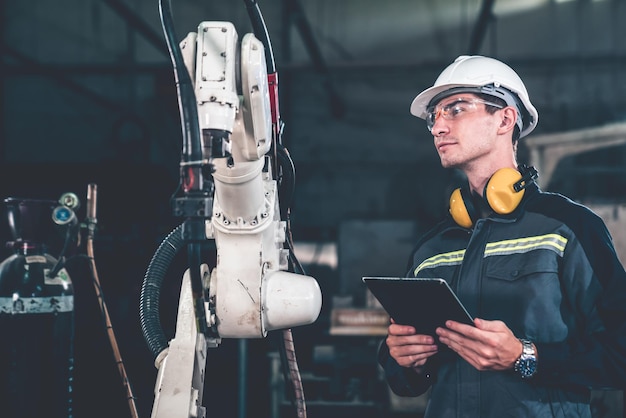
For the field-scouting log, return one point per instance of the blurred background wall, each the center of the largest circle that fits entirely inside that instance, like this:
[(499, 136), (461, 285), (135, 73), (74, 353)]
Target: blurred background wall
[(88, 96)]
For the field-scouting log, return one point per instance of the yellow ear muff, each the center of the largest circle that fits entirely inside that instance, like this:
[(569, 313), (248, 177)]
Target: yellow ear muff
[(458, 210), (499, 191), (503, 193)]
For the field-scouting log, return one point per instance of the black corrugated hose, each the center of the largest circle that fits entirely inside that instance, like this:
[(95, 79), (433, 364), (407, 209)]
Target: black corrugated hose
[(151, 290)]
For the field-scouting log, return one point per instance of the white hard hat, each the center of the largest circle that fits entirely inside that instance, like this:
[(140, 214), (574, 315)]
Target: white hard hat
[(478, 74)]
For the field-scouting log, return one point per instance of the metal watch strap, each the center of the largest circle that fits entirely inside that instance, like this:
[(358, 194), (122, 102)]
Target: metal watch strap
[(526, 364)]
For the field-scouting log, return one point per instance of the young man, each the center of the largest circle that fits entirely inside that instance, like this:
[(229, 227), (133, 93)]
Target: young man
[(538, 271)]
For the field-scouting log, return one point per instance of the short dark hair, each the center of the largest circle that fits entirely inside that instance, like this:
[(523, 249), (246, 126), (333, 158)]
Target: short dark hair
[(493, 109)]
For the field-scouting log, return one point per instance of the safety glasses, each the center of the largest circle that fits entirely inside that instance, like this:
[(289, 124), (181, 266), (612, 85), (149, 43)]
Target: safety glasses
[(454, 110)]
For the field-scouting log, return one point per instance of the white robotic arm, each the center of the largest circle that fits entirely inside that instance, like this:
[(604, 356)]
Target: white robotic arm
[(250, 290)]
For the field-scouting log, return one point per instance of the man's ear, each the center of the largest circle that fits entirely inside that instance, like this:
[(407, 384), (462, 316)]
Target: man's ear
[(509, 118)]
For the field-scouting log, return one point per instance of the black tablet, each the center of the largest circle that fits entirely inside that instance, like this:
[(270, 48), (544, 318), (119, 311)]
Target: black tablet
[(423, 303)]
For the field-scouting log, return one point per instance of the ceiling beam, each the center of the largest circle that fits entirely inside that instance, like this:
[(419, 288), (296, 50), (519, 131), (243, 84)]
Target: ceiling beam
[(59, 78), (137, 23), (480, 28), (297, 16)]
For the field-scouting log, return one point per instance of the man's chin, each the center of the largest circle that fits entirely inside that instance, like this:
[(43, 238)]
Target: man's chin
[(447, 163)]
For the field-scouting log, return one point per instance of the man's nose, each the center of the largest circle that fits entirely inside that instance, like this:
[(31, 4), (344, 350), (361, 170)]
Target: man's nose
[(439, 126)]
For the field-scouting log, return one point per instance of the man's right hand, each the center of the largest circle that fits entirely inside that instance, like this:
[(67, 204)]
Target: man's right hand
[(407, 348)]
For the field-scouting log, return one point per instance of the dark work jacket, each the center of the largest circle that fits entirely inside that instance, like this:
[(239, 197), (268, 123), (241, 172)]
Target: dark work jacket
[(549, 271)]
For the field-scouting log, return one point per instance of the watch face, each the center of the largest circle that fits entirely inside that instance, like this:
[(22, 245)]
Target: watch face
[(527, 367)]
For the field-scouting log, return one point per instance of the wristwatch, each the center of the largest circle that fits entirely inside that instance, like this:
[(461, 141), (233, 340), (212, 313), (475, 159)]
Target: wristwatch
[(526, 364)]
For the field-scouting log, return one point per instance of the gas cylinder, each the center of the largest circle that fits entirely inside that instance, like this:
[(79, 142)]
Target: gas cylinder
[(36, 318)]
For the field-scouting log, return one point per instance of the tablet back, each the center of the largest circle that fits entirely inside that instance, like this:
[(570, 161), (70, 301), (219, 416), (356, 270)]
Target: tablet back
[(423, 303)]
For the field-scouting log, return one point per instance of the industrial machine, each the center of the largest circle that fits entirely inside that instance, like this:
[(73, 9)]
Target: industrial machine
[(236, 182), (37, 310)]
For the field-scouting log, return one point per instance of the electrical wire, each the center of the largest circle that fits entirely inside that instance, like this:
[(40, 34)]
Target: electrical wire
[(288, 352), (284, 170), (192, 156), (91, 222)]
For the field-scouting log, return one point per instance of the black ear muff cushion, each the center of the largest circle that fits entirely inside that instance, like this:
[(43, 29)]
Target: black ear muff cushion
[(462, 209), (499, 192)]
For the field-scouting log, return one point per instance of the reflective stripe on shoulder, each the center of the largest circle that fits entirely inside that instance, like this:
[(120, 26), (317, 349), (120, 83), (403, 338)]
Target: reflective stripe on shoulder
[(445, 259), (552, 242)]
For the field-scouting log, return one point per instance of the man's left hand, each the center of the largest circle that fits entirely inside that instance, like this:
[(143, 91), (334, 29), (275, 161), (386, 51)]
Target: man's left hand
[(490, 345)]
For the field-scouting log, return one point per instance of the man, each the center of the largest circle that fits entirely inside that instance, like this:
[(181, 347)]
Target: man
[(537, 271)]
